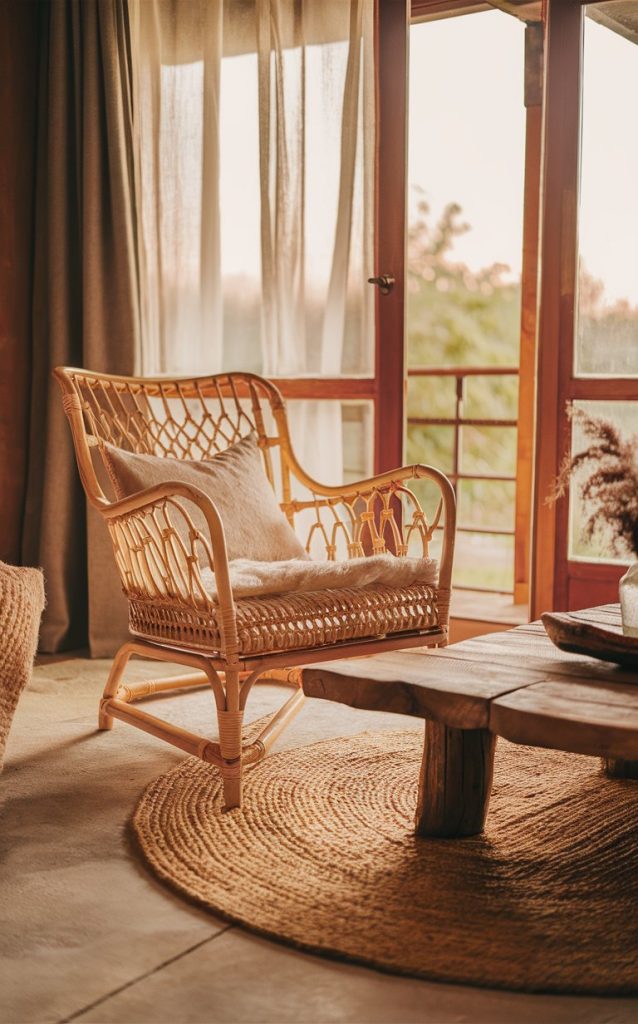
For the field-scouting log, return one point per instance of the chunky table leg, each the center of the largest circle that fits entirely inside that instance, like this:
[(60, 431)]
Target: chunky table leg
[(616, 768), (455, 782)]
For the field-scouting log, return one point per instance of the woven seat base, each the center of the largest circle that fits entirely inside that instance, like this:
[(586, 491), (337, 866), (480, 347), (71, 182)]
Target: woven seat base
[(292, 622)]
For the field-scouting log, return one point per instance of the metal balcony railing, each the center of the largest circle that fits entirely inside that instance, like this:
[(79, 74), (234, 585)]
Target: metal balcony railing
[(457, 422)]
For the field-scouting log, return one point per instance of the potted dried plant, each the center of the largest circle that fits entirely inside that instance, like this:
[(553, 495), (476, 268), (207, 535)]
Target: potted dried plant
[(606, 471)]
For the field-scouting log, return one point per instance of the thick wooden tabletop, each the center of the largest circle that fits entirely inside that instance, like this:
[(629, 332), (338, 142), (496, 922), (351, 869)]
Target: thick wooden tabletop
[(515, 683)]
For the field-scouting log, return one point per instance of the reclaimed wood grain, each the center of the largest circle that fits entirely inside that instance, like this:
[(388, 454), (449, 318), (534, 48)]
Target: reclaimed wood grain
[(455, 781), (616, 768), (597, 720), (456, 693)]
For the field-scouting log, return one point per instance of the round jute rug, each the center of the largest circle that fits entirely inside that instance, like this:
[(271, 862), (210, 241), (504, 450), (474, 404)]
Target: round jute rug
[(323, 856)]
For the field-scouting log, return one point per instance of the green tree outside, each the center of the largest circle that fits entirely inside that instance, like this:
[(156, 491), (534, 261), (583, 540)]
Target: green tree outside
[(459, 317)]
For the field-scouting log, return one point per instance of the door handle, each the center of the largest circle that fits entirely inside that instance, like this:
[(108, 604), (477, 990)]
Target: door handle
[(385, 283)]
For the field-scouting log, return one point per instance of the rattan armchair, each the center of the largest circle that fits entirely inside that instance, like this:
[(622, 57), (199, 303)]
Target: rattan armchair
[(230, 642)]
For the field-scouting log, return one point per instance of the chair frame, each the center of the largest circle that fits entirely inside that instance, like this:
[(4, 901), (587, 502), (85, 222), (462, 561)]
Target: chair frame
[(155, 567)]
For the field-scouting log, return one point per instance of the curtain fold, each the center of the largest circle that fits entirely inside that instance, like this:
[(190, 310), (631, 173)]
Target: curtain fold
[(268, 100), (315, 108), (204, 202), (177, 47), (85, 290), (282, 150)]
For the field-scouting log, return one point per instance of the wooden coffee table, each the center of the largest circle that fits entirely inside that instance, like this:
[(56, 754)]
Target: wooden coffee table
[(515, 684)]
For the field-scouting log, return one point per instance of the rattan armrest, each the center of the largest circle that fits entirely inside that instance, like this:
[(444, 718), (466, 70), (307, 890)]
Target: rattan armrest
[(393, 478), (169, 489), (394, 481), (385, 481), (183, 581)]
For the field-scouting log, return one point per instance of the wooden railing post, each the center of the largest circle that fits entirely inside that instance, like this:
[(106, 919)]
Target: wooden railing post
[(534, 59)]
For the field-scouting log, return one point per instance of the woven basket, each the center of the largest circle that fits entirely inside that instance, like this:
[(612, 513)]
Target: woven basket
[(21, 605)]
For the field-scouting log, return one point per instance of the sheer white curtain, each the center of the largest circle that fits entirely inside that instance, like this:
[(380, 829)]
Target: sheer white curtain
[(256, 154)]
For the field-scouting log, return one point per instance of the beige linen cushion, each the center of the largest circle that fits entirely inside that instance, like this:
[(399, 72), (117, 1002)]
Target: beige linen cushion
[(254, 525)]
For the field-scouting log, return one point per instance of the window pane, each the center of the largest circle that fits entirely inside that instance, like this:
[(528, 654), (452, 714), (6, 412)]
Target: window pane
[(488, 451), (432, 445), (607, 321), (240, 214), (465, 176), (431, 397), (358, 440), (483, 562), (492, 398), (595, 517), (465, 203), (487, 504), (333, 440), (254, 260)]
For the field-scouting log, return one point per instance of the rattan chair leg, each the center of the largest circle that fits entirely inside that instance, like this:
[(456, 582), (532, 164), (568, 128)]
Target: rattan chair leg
[(120, 661), (190, 742), (131, 692), (230, 745), (280, 721), (232, 782), (230, 741), (285, 676)]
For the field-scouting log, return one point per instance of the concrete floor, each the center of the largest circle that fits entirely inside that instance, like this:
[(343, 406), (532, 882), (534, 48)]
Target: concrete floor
[(86, 934)]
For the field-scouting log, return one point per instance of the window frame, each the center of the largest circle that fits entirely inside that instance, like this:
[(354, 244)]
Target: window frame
[(385, 390), (530, 13), (559, 582), (548, 315)]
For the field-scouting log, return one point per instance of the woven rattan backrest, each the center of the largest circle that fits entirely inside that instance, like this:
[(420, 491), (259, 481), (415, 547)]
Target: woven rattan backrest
[(192, 418), (197, 417)]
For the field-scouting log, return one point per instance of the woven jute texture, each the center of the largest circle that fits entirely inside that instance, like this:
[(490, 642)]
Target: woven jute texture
[(21, 604), (323, 856)]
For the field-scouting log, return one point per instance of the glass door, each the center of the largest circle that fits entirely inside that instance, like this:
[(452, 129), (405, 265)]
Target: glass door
[(467, 159), (596, 540)]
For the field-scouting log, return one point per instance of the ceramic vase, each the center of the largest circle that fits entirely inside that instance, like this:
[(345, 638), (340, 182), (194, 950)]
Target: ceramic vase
[(629, 601)]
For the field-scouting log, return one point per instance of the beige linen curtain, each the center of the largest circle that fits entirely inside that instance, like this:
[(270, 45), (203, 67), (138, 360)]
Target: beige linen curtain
[(256, 136), (204, 203), (316, 137), (177, 47), (85, 308)]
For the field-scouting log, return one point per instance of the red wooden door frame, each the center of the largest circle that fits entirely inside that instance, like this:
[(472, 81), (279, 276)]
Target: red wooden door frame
[(392, 34), (557, 581), (559, 237), (386, 388)]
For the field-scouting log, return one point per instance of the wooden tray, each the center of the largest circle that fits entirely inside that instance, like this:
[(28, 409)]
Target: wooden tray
[(578, 637)]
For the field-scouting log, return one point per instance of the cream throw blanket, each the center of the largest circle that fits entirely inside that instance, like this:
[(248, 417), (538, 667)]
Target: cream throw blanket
[(256, 579)]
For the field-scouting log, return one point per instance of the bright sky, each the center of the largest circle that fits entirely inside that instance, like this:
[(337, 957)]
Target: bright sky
[(240, 188), (467, 140), (467, 145), (609, 174), (467, 129)]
